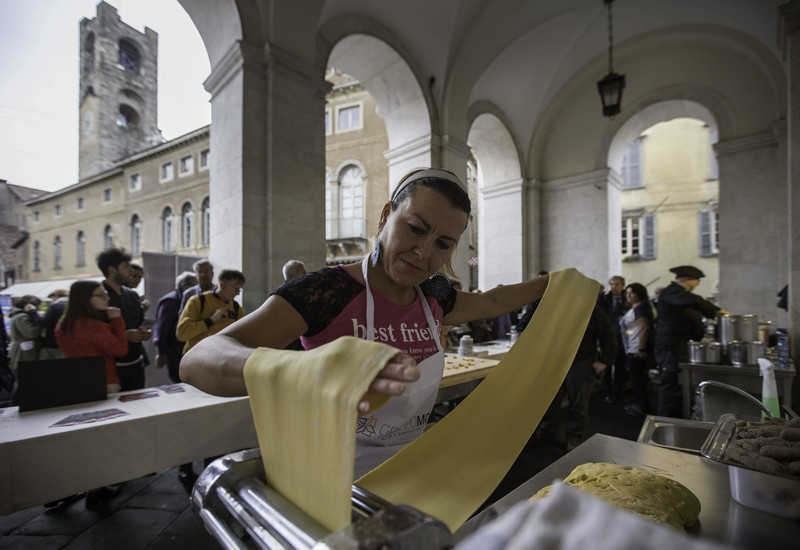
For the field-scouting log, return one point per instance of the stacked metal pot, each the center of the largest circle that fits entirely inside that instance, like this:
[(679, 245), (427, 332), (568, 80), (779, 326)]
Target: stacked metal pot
[(743, 339)]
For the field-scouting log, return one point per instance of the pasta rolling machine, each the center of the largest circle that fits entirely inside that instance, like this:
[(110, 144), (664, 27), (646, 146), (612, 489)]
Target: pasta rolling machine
[(241, 511)]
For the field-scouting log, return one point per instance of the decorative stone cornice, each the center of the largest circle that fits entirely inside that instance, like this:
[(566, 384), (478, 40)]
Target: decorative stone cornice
[(746, 143), (306, 71), (456, 146), (409, 149), (240, 57), (513, 187), (595, 178)]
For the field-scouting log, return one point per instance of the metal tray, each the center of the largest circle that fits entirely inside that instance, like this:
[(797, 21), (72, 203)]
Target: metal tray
[(773, 493)]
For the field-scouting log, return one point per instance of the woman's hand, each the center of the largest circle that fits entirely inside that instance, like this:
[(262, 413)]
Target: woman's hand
[(391, 380), (113, 312)]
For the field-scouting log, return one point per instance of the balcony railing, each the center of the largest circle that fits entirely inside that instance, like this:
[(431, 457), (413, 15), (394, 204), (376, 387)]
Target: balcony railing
[(346, 228)]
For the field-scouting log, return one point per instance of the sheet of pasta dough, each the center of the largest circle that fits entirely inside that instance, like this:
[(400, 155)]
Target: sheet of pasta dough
[(451, 470), (304, 407)]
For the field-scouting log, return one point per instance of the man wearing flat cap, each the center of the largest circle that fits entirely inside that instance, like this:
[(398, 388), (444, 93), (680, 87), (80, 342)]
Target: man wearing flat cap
[(680, 319)]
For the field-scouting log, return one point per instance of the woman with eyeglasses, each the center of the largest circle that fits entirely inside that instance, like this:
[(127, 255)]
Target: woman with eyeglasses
[(90, 328)]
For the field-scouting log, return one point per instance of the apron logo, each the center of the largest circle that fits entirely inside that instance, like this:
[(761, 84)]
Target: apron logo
[(366, 425)]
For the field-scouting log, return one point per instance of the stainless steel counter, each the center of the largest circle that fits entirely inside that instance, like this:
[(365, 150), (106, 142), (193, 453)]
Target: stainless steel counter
[(721, 518)]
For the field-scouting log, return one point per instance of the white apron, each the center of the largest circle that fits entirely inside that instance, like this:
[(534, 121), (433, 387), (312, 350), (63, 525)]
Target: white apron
[(402, 419)]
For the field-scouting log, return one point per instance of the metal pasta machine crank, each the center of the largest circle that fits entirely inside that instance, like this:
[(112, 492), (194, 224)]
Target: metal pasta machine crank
[(241, 511)]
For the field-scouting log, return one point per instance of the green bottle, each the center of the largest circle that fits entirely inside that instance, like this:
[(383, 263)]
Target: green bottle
[(769, 390)]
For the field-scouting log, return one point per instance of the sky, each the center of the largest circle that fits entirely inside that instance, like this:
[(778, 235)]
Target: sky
[(39, 64)]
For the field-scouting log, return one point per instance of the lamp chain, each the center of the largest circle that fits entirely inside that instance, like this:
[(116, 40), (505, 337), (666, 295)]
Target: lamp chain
[(610, 37)]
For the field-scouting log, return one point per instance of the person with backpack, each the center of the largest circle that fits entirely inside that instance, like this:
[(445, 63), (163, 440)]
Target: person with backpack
[(169, 349), (209, 312)]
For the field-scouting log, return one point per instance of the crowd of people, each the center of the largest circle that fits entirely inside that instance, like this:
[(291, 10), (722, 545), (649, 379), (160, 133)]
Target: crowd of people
[(202, 336)]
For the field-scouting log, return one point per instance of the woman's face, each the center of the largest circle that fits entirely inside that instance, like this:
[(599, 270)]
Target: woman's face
[(99, 299), (419, 236), (631, 296)]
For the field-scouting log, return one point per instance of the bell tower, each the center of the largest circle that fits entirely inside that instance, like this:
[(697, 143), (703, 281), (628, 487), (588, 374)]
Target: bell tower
[(118, 91)]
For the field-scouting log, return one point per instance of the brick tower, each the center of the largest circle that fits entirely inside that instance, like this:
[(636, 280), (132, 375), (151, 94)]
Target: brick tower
[(118, 91)]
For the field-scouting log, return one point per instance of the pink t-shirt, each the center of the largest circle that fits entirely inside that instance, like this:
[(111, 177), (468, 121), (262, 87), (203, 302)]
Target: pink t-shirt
[(402, 327)]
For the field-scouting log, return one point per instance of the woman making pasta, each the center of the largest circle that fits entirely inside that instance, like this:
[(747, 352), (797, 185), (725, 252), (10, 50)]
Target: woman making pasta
[(389, 297)]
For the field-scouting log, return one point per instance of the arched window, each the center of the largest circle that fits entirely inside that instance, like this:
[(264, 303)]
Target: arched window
[(351, 203), (167, 230), (206, 211), (57, 252), (80, 249), (108, 237), (136, 236), (187, 225), (37, 256), (129, 57), (127, 117)]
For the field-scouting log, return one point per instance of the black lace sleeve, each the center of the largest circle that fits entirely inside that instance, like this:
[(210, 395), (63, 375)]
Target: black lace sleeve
[(320, 296), (447, 303)]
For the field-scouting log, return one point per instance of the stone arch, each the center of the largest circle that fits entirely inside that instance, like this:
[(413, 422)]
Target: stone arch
[(373, 55), (499, 198), (574, 153)]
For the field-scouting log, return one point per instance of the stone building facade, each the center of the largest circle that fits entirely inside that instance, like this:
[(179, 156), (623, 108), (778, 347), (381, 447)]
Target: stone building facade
[(670, 203), (154, 201)]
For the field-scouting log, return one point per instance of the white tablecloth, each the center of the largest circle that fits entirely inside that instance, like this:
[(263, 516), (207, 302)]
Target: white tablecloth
[(40, 462)]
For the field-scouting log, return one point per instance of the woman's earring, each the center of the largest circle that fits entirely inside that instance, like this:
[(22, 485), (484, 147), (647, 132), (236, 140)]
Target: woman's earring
[(376, 253)]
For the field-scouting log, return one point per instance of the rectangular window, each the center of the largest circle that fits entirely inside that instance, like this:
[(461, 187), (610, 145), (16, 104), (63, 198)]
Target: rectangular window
[(348, 118), (135, 182), (709, 232), (80, 204), (107, 195), (632, 166), (57, 211), (204, 159), (167, 171), (638, 237), (37, 216), (186, 165)]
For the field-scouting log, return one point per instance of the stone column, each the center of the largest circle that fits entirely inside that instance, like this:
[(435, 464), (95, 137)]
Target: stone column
[(500, 241), (581, 225), (267, 175), (752, 225), (790, 14)]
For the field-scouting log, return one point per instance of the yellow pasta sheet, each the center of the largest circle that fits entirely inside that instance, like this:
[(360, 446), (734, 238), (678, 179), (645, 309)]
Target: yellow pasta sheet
[(305, 409), (304, 406)]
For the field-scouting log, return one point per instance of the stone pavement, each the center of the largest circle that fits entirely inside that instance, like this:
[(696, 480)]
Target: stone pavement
[(152, 512)]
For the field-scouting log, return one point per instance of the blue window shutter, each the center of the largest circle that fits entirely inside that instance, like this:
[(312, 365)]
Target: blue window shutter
[(649, 222), (705, 229)]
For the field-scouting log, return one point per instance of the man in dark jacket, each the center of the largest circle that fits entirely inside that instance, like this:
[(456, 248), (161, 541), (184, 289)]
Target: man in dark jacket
[(115, 266), (614, 305), (680, 319), (169, 349)]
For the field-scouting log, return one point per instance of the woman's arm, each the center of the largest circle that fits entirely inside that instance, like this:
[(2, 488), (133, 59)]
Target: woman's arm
[(216, 364), (493, 303)]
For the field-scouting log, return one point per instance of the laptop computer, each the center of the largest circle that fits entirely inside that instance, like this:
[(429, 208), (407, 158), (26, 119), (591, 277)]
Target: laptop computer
[(57, 382)]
